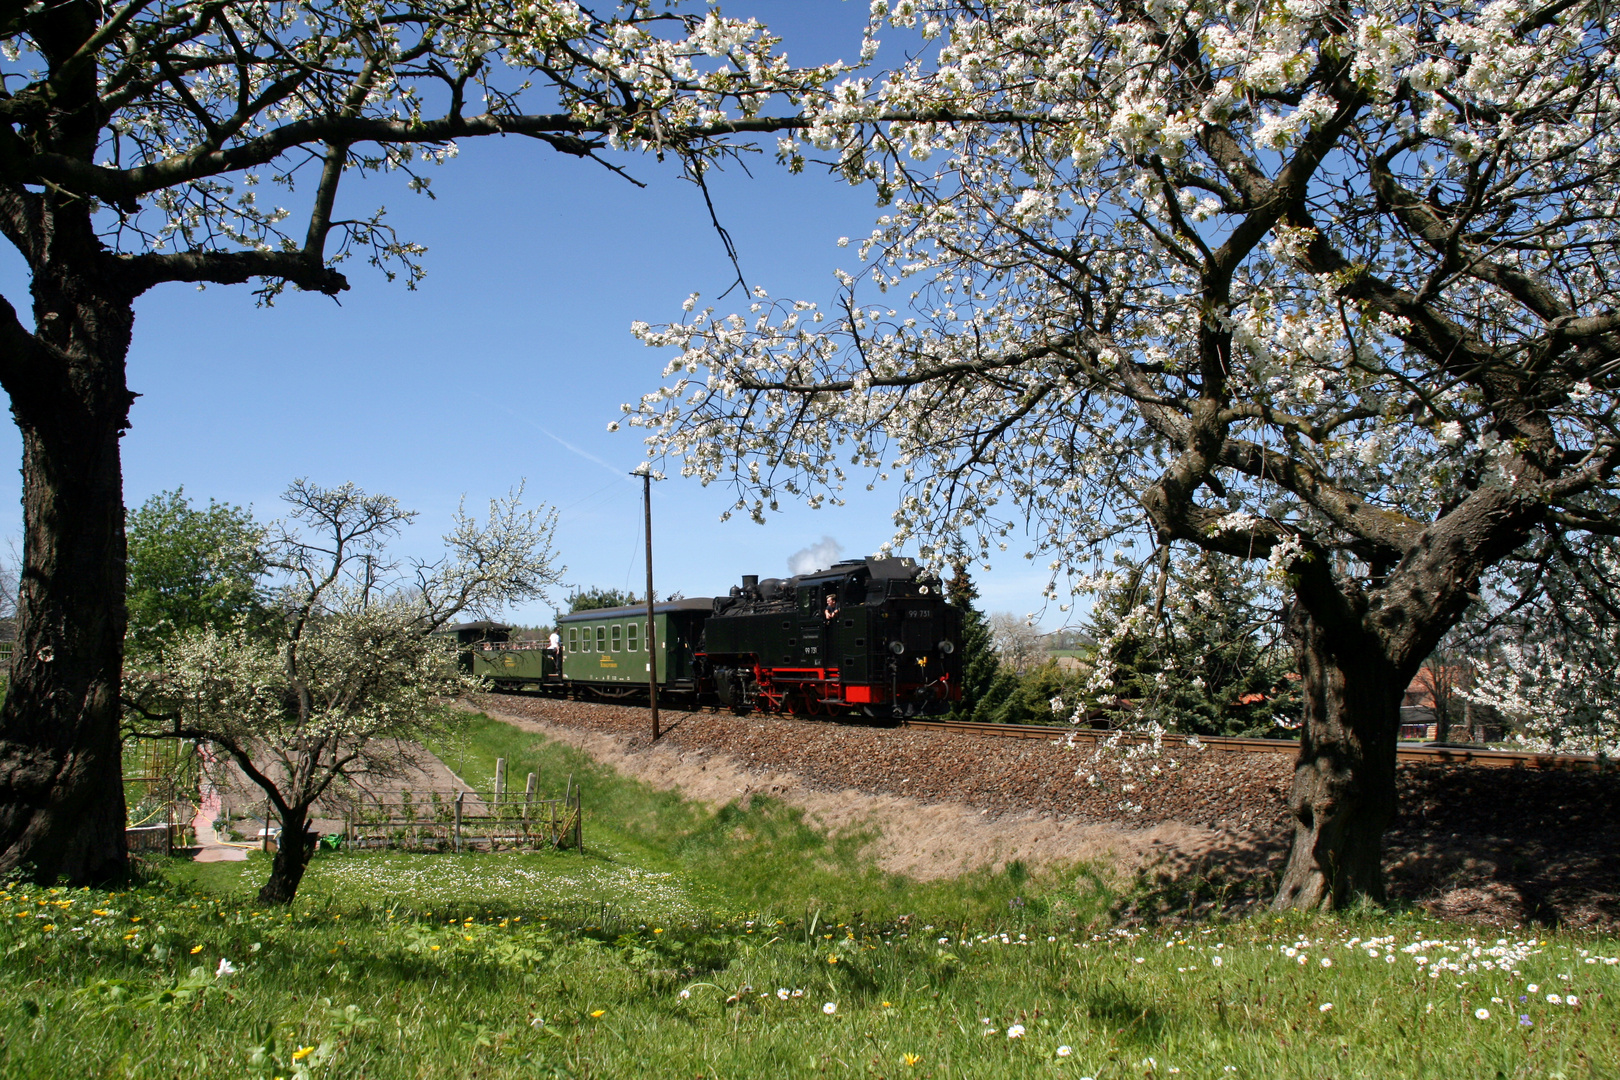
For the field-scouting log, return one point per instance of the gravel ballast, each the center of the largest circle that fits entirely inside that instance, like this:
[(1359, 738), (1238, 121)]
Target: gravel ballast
[(1198, 828)]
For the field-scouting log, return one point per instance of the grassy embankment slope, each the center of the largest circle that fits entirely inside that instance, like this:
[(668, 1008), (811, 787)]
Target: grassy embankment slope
[(743, 944)]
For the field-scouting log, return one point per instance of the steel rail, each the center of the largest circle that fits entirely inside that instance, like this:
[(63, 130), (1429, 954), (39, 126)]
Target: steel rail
[(1413, 752)]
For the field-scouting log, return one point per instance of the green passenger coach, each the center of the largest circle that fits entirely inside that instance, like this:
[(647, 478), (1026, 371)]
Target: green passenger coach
[(608, 647), (603, 652)]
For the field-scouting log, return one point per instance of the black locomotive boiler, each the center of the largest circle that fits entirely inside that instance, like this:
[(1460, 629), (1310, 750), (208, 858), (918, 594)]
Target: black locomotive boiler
[(870, 636)]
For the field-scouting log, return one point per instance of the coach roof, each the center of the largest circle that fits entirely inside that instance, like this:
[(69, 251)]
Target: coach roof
[(696, 603)]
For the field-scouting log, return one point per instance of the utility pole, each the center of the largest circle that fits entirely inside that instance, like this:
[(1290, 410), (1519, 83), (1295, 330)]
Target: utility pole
[(645, 472)]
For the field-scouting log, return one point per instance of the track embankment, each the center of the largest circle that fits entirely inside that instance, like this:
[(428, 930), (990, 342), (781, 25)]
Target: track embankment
[(1197, 828)]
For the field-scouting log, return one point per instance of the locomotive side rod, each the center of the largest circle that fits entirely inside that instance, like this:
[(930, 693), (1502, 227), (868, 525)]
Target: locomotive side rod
[(1446, 755)]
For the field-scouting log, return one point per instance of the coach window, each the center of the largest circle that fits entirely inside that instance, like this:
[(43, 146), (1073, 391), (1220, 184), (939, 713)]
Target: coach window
[(618, 643), (573, 639), (601, 639), (631, 634)]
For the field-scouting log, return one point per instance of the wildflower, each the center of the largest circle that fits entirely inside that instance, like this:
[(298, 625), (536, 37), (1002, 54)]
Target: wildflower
[(303, 1052), (1326, 962), (684, 994), (1326, 1006), (225, 968), (597, 1014), (1064, 1051), (944, 941), (1482, 1014), (782, 993), (1016, 1031), (1532, 988), (195, 949), (886, 1005), (832, 959), (1553, 999), (1216, 961), (1524, 1020), (830, 1007), (911, 1059), (1571, 1000)]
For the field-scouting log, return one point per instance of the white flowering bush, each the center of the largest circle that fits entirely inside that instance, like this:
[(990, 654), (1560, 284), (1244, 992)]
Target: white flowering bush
[(1552, 666), (1325, 287), (343, 675)]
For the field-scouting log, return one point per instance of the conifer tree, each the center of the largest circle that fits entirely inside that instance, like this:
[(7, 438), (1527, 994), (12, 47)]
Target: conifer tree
[(1200, 660), (984, 685)]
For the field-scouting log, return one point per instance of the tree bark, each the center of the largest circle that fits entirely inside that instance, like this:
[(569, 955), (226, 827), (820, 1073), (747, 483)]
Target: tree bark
[(292, 856), (61, 774), (1343, 797)]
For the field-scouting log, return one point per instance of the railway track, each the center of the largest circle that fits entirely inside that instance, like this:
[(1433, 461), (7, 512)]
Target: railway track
[(1414, 752), (1411, 752)]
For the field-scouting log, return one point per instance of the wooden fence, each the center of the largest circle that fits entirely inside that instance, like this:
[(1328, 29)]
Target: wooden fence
[(467, 821)]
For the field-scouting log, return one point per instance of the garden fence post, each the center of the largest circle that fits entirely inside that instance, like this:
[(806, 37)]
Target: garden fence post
[(457, 845), (528, 804), (500, 780)]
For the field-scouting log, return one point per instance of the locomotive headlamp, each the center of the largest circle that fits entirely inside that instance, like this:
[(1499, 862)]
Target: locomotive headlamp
[(897, 647), (946, 648)]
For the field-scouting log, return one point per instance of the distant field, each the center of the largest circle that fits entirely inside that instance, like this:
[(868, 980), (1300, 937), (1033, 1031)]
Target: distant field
[(686, 943)]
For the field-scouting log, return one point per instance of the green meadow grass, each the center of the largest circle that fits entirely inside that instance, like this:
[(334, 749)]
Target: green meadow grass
[(659, 953)]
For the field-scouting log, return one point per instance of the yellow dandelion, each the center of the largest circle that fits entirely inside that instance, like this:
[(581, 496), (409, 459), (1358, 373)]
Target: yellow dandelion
[(195, 949), (303, 1052), (598, 1014), (49, 927), (466, 937), (832, 959), (435, 948), (886, 1005), (911, 1059)]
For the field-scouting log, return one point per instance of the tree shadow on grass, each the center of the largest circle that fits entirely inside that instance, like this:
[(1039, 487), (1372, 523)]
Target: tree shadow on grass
[(1490, 846), (1132, 1019)]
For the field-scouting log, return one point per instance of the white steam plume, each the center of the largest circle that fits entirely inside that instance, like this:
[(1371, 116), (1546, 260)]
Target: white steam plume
[(818, 556)]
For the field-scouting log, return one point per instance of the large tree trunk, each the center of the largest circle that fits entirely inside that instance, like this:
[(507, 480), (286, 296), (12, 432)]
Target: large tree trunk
[(61, 774), (1343, 797), (292, 855)]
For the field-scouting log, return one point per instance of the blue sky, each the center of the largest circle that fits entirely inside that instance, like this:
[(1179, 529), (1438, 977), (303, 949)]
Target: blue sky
[(509, 360)]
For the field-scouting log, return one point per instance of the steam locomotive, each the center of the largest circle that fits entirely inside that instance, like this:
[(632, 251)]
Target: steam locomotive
[(870, 637)]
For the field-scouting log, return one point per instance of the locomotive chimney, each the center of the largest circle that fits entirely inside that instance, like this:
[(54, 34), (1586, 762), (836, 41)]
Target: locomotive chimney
[(750, 581)]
